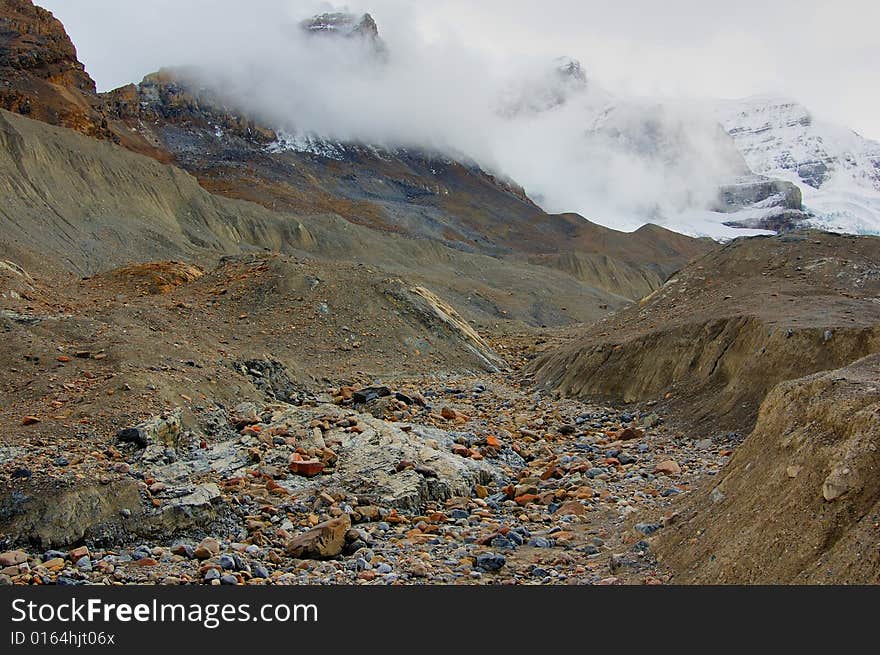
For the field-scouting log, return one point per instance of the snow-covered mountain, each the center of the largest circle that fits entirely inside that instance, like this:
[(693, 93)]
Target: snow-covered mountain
[(837, 170), (626, 161)]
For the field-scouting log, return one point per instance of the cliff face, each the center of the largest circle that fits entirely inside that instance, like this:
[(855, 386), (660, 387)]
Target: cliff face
[(42, 78), (41, 75)]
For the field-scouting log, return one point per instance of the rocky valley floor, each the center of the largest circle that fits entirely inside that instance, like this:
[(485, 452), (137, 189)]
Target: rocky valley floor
[(475, 479), (157, 436)]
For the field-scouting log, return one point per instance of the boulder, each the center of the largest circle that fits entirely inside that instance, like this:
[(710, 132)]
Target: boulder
[(325, 540), (161, 430)]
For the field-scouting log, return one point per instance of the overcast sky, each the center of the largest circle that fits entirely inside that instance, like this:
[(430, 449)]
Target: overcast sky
[(827, 55)]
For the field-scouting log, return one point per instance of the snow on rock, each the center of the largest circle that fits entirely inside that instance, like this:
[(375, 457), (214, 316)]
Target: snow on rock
[(837, 170)]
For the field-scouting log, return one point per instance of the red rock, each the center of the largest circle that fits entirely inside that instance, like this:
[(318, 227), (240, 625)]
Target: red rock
[(460, 450), (146, 561), (525, 499), (63, 359), (77, 553), (30, 420), (307, 468), (449, 414)]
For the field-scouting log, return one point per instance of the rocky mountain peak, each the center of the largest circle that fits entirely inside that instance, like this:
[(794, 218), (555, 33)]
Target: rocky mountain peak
[(339, 24), (548, 88), (571, 70), (42, 77)]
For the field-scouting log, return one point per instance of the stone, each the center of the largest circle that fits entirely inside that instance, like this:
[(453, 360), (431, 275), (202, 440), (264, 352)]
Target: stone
[(571, 507), (667, 467), (160, 430), (647, 528), (207, 548), (244, 414), (370, 394), (308, 468), (13, 558), (77, 553), (839, 481), (490, 561), (325, 540), (629, 434)]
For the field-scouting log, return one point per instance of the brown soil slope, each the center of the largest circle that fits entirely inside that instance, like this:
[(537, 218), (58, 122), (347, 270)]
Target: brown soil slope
[(720, 334), (71, 203), (84, 354), (800, 500)]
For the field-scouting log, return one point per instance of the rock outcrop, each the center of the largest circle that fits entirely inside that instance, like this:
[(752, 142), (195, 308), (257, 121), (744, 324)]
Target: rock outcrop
[(837, 170), (347, 26), (762, 203), (41, 75)]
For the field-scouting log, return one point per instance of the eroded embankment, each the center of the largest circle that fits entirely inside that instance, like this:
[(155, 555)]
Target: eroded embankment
[(714, 372), (800, 500)]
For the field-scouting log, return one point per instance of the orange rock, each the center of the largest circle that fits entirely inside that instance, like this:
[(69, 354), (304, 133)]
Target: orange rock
[(583, 493), (30, 420), (146, 561), (493, 442), (63, 359), (449, 414), (525, 499), (307, 468)]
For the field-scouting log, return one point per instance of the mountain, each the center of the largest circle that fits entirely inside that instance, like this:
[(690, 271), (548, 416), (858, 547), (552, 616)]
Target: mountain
[(836, 170), (625, 161)]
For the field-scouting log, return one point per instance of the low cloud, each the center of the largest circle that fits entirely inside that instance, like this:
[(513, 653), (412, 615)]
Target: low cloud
[(619, 159)]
